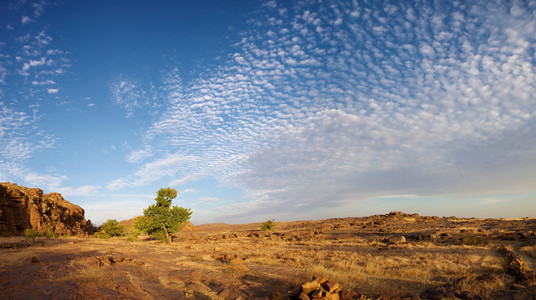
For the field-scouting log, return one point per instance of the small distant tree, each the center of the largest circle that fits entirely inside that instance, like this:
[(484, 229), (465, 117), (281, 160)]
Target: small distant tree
[(113, 228), (161, 219), (268, 225)]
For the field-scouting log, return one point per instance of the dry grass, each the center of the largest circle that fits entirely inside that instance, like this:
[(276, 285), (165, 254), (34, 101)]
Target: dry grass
[(407, 268), (480, 286), (99, 276), (530, 250)]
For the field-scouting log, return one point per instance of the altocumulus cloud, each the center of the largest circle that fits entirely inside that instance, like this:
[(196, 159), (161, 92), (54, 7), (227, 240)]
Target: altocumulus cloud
[(325, 103)]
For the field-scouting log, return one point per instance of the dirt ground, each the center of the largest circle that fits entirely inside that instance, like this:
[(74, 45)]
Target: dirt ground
[(389, 256)]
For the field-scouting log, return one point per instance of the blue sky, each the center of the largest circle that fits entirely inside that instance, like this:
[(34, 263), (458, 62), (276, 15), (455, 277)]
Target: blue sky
[(256, 110)]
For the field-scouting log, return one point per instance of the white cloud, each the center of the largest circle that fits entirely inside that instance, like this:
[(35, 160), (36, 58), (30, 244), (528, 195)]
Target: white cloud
[(19, 137), (45, 180), (139, 155), (44, 82), (53, 91), (55, 184), (186, 179), (206, 200), (168, 166), (86, 190), (117, 184), (127, 94), (116, 206), (39, 8), (25, 20), (490, 201)]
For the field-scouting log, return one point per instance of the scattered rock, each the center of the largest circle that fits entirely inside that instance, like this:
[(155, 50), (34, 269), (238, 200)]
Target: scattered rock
[(35, 260), (109, 260)]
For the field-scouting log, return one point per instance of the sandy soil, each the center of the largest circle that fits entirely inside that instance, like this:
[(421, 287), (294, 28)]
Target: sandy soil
[(388, 256)]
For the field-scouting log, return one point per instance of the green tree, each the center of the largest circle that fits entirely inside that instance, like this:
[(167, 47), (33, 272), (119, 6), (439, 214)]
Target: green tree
[(161, 218), (113, 228)]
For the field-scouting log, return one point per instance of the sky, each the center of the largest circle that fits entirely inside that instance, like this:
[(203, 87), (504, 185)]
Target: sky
[(256, 110)]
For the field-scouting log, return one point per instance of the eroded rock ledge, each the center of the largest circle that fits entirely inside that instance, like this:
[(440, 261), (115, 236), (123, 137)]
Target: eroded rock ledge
[(22, 208)]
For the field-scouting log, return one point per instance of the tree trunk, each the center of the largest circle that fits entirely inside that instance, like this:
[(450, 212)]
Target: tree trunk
[(168, 237)]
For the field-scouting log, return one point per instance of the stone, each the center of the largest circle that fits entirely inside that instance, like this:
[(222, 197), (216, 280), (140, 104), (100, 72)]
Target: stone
[(435, 293), (330, 286), (396, 240), (318, 294), (334, 296), (24, 208), (310, 286), (105, 260), (468, 295), (225, 292), (303, 296), (319, 278), (295, 292), (516, 286)]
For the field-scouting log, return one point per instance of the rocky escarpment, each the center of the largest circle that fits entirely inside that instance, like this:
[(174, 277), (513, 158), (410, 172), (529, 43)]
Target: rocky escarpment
[(22, 208)]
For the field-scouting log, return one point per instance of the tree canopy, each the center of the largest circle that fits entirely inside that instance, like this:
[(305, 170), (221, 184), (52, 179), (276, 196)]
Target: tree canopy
[(161, 217)]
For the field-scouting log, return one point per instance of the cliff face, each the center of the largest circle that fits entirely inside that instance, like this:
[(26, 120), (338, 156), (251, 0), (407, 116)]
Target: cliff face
[(22, 208)]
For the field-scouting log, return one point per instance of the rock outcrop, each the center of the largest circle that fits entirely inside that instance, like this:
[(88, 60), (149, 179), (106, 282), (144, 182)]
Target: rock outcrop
[(22, 208)]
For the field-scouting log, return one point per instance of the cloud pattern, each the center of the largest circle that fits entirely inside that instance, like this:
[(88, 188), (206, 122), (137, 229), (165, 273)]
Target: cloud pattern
[(341, 101)]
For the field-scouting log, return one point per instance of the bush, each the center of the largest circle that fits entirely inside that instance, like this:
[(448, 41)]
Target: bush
[(50, 234), (161, 236), (133, 234), (29, 233), (101, 235), (112, 228), (268, 225)]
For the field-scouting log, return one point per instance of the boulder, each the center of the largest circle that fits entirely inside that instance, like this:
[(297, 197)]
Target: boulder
[(28, 208), (395, 240)]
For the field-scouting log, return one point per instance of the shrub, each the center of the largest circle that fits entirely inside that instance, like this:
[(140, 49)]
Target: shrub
[(29, 233), (112, 228), (101, 235), (132, 234), (268, 225), (161, 236), (50, 234)]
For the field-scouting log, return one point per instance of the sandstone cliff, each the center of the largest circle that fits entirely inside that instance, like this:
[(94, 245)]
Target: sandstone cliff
[(22, 208)]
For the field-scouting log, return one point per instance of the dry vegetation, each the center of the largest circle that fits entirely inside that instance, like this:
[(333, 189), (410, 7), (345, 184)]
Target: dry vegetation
[(388, 256)]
